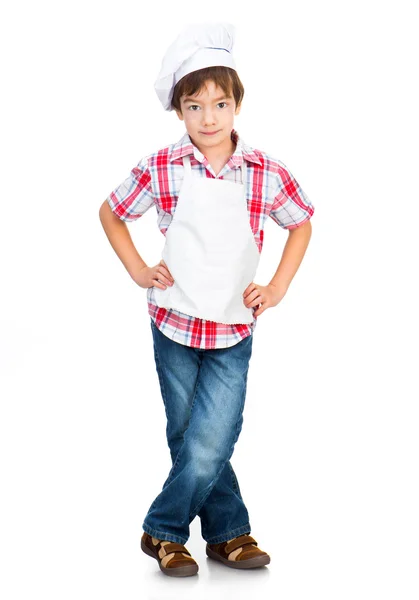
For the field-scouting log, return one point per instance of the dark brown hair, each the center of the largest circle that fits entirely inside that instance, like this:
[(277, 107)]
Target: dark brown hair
[(192, 83)]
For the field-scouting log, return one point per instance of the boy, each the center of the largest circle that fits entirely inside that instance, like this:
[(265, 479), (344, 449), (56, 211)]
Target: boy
[(212, 193)]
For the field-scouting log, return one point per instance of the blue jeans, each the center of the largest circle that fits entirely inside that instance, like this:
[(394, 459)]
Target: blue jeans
[(203, 393)]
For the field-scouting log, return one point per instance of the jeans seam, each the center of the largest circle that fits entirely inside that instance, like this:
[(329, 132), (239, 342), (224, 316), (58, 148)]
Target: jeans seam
[(162, 386), (235, 484), (160, 375)]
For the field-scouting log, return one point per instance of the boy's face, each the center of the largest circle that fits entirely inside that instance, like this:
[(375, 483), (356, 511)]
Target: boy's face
[(209, 111)]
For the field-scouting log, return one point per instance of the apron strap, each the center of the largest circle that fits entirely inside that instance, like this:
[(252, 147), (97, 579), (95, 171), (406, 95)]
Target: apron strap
[(187, 164), (243, 168)]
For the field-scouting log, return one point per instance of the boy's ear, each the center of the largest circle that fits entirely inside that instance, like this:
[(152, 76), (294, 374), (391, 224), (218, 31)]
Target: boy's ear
[(179, 114), (238, 109)]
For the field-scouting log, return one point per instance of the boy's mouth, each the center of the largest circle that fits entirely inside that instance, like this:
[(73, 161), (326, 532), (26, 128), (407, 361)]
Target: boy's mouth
[(210, 132)]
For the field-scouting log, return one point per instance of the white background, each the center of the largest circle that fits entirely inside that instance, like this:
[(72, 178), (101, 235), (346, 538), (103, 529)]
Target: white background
[(328, 455)]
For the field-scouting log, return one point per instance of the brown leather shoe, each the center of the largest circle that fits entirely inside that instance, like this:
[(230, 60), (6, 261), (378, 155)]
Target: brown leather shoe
[(240, 553), (174, 559)]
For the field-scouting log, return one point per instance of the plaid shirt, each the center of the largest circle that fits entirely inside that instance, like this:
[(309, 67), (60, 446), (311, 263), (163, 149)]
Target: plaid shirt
[(157, 178)]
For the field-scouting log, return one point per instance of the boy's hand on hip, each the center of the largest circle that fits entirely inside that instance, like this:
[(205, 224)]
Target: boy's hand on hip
[(262, 296), (158, 276)]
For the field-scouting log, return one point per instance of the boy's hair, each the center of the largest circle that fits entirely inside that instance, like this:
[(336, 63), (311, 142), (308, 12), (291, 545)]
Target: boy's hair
[(224, 77)]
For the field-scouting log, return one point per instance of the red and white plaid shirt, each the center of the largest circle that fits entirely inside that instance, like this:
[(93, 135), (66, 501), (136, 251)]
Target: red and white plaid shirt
[(156, 180)]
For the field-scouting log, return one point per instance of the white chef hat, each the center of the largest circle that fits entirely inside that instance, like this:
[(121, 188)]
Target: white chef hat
[(198, 46)]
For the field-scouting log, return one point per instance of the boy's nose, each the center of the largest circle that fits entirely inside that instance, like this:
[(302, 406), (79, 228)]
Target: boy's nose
[(208, 119)]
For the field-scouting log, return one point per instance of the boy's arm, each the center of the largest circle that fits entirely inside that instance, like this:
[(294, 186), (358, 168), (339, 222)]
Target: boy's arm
[(292, 255), (120, 240), (261, 297)]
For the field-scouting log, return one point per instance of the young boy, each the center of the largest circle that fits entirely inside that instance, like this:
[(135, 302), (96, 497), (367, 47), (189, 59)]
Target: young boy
[(212, 193)]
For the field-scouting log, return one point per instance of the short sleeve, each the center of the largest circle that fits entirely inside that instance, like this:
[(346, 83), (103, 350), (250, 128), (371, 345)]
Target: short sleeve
[(291, 207), (134, 196)]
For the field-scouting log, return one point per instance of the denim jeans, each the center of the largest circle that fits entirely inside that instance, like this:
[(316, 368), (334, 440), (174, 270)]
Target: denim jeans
[(203, 392)]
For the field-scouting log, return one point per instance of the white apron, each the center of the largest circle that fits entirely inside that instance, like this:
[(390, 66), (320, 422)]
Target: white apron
[(210, 250)]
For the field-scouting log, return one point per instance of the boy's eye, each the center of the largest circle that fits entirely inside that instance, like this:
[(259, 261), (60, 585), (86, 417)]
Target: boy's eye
[(196, 106)]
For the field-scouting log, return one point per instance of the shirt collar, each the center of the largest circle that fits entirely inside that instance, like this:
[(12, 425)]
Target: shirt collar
[(185, 146)]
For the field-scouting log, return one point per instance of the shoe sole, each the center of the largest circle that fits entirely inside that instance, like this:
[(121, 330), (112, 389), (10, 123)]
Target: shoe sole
[(172, 571), (250, 563)]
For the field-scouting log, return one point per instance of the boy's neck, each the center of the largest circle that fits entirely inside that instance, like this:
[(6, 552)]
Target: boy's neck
[(218, 157)]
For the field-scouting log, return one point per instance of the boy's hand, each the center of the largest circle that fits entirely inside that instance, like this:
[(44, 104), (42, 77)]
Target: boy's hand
[(157, 276), (262, 296)]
